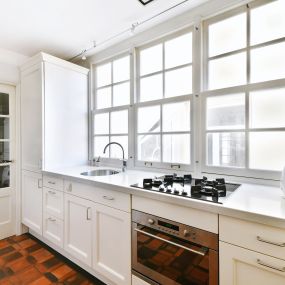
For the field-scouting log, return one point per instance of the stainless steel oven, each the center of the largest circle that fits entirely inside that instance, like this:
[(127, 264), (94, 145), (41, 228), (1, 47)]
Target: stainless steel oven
[(169, 253)]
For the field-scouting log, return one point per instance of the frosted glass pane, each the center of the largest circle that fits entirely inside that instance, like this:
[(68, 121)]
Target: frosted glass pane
[(101, 124), (104, 98), (266, 150), (226, 112), (121, 94), (267, 22), (267, 109), (99, 145), (121, 69), (176, 117), (178, 51), (149, 119), (116, 151), (119, 122), (176, 148), (226, 149), (227, 71), (151, 88), (227, 35), (178, 82), (149, 147), (268, 63), (151, 60), (103, 75)]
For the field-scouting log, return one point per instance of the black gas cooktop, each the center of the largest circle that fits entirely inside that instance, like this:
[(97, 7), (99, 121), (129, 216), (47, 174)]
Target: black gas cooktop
[(203, 189)]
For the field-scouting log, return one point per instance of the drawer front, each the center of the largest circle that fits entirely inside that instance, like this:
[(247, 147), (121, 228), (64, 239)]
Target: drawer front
[(254, 236), (53, 229), (53, 202), (106, 197), (53, 182)]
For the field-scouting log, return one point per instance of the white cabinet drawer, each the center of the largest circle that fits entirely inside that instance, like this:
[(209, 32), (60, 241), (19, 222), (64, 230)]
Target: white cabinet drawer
[(106, 197), (53, 182), (254, 236), (53, 202), (53, 229)]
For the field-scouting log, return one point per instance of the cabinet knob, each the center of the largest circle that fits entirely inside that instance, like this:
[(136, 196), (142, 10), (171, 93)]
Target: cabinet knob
[(150, 221), (186, 233)]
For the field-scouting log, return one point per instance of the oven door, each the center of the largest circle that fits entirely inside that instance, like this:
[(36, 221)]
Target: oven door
[(169, 260)]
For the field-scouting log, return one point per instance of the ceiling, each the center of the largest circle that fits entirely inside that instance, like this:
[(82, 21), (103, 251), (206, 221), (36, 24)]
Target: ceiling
[(66, 27)]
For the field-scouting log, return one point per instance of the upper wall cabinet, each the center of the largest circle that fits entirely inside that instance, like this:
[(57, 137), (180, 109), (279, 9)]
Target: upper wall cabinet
[(54, 113)]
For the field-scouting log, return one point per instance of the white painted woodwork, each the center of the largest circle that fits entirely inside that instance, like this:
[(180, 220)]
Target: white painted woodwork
[(53, 229), (7, 212), (53, 203), (32, 201), (188, 216), (112, 244), (138, 281), (78, 228), (247, 234), (239, 266), (53, 182), (115, 199)]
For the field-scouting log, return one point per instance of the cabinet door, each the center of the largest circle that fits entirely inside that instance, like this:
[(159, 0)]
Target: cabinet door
[(53, 229), (239, 266), (32, 201), (31, 118), (78, 228), (53, 202), (112, 244)]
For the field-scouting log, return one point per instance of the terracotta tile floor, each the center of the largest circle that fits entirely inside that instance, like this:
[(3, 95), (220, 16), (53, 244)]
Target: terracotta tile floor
[(25, 260)]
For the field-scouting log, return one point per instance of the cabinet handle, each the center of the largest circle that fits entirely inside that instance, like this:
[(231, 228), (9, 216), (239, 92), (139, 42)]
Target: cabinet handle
[(88, 216), (281, 244), (40, 182), (52, 192), (51, 219), (69, 189), (260, 262), (109, 198), (51, 182)]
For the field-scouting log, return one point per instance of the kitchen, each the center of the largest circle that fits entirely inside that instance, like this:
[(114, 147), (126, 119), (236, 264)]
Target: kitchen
[(148, 150)]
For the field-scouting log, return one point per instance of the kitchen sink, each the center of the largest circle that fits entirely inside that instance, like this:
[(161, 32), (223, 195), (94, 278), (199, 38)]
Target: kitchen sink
[(99, 172)]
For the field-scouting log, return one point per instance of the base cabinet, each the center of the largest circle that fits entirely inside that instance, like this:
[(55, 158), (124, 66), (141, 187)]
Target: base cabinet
[(138, 281), (239, 266)]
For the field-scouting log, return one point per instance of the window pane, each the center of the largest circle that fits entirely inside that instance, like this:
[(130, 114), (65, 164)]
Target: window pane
[(151, 88), (149, 147), (178, 51), (227, 71), (227, 35), (267, 22), (4, 176), (178, 82), (101, 124), (266, 150), (4, 151), (103, 75), (268, 63), (176, 117), (149, 119), (4, 104), (226, 149), (4, 129), (176, 148), (121, 69), (119, 122), (116, 151), (267, 109), (103, 98), (226, 112), (121, 94), (99, 145), (151, 60)]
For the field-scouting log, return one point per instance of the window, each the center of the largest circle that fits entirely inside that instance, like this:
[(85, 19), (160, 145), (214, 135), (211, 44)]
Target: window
[(244, 94), (111, 112), (164, 103)]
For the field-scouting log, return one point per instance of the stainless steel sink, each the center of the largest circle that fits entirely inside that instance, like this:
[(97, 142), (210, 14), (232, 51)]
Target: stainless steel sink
[(99, 172)]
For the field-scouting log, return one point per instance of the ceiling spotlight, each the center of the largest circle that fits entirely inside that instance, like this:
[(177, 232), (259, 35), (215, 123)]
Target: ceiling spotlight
[(145, 2)]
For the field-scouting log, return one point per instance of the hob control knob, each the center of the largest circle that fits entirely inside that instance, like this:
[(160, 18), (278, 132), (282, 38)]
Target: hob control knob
[(151, 221), (176, 191), (184, 193), (186, 233)]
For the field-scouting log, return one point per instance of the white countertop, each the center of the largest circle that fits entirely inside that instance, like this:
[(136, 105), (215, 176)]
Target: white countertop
[(254, 202)]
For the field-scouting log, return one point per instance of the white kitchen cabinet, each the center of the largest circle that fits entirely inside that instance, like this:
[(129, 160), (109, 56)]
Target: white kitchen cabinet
[(239, 266), (112, 244), (53, 202), (53, 229), (32, 201), (78, 234)]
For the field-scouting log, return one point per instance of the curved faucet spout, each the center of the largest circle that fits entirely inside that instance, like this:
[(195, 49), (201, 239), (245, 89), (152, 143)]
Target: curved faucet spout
[(124, 161)]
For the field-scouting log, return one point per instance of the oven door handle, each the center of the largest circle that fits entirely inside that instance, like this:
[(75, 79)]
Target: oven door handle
[(171, 242)]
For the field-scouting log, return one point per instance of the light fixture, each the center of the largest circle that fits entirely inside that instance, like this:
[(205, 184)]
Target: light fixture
[(145, 2), (133, 27)]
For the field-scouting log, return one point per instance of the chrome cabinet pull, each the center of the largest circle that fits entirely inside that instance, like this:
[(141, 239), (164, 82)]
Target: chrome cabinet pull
[(260, 262), (171, 242), (109, 198), (69, 189), (51, 182), (52, 192), (88, 216), (51, 219), (40, 181), (281, 244)]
